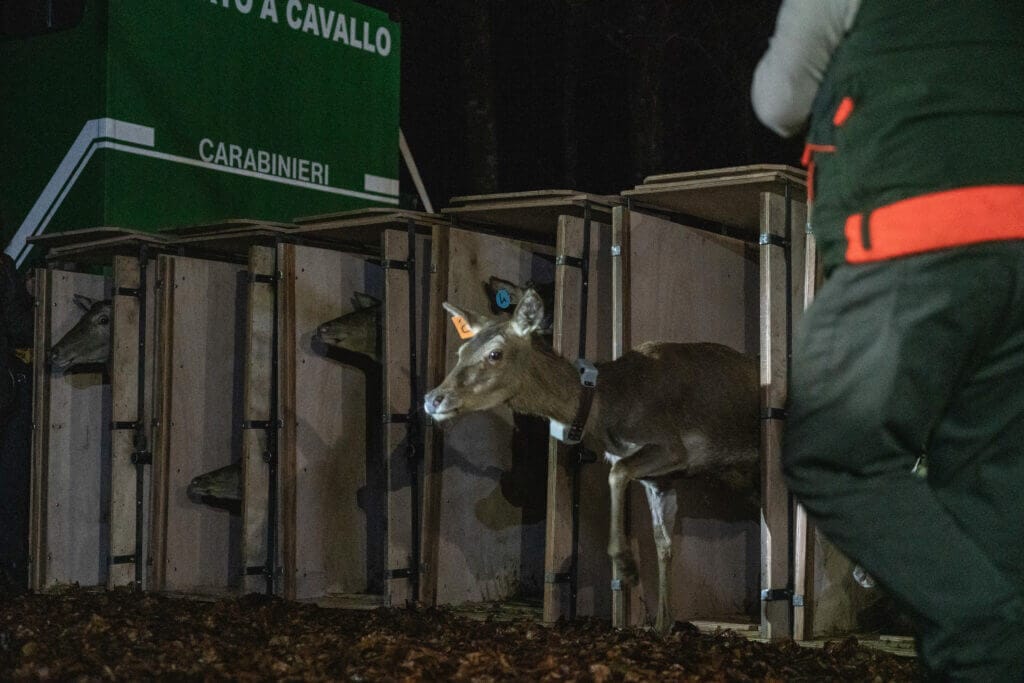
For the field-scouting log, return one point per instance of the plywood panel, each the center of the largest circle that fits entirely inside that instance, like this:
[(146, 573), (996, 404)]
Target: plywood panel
[(200, 397), (686, 285), (326, 497), (71, 463), (490, 543)]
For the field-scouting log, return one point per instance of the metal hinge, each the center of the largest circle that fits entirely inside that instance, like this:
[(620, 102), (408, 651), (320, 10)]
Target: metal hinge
[(774, 240)]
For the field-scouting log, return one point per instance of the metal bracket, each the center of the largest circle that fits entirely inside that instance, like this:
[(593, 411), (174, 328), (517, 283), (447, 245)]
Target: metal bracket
[(616, 250), (142, 458), (405, 573), (258, 570), (128, 291), (776, 594), (122, 559), (617, 585), (117, 426), (767, 238), (557, 577), (774, 414), (265, 279), (389, 264), (572, 261), (262, 424)]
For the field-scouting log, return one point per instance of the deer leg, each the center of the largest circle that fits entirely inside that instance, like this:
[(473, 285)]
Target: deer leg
[(618, 544), (662, 501), (648, 461)]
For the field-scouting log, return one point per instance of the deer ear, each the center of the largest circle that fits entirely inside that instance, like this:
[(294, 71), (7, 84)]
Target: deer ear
[(361, 301), (83, 302), (475, 321), (529, 314)]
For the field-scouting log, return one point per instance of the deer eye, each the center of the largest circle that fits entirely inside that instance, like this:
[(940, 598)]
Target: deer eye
[(104, 320), (494, 356)]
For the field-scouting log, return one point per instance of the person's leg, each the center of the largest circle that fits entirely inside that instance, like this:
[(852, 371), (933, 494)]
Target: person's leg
[(883, 354)]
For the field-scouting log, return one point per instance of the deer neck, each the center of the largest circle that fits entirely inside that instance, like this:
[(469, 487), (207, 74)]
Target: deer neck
[(550, 387)]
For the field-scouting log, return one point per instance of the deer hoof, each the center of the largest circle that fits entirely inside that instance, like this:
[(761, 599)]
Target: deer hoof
[(625, 565)]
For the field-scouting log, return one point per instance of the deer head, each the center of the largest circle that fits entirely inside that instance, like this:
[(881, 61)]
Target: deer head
[(88, 342), (356, 331), (495, 366)]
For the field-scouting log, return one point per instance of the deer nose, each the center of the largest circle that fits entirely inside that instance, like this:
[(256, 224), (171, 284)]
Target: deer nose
[(433, 401)]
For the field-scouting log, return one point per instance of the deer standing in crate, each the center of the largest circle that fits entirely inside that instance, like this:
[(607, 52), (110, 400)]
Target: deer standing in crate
[(660, 411)]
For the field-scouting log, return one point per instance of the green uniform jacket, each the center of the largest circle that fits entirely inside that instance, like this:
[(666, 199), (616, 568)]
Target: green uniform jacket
[(916, 140)]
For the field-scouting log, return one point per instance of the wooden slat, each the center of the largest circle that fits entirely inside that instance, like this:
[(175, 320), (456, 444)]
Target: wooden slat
[(286, 468), (803, 262), (102, 252), (258, 382), (621, 298), (38, 502), (163, 389), (776, 616), (594, 569), (711, 173), (222, 227), (124, 384), (53, 240), (433, 455), (397, 401)]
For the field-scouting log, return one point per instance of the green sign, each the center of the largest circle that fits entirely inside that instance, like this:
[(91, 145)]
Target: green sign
[(153, 113)]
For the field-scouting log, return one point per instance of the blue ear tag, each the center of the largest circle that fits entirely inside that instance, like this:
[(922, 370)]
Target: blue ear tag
[(503, 299)]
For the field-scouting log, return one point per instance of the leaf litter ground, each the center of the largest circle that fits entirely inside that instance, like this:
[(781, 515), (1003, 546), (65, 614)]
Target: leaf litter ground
[(126, 635)]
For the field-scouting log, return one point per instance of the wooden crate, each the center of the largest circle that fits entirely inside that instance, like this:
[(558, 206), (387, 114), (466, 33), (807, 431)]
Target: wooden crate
[(345, 487), (92, 418), (201, 314), (491, 476), (744, 287)]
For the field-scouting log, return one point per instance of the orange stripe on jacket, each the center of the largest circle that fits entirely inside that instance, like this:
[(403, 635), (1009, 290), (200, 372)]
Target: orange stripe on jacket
[(939, 220)]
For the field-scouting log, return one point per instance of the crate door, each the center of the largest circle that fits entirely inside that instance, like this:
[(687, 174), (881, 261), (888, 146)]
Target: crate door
[(70, 491)]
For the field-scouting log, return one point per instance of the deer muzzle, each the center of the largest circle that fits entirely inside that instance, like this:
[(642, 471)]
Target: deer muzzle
[(440, 404)]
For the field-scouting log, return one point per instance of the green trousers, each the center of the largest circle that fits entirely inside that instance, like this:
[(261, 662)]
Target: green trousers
[(922, 355)]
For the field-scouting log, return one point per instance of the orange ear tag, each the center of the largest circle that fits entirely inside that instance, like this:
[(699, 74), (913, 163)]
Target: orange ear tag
[(462, 327)]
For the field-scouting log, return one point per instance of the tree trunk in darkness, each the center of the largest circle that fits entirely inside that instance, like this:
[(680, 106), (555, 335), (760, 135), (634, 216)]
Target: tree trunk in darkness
[(480, 171)]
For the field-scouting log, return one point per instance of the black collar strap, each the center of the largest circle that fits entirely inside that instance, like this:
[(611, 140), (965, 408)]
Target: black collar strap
[(573, 434)]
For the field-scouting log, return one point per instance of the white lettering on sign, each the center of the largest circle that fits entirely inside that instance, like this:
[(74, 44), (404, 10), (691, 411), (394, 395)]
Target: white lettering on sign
[(264, 162), (319, 21)]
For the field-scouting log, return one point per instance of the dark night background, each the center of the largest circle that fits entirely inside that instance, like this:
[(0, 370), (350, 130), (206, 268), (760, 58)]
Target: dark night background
[(593, 95)]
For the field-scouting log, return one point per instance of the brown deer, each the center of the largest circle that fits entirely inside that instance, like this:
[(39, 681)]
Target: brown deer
[(659, 411)]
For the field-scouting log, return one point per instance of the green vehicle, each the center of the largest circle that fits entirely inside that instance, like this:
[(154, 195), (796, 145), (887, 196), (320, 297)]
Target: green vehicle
[(154, 113)]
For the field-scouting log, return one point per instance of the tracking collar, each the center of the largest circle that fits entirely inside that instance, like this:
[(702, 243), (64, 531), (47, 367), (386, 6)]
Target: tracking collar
[(573, 434)]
